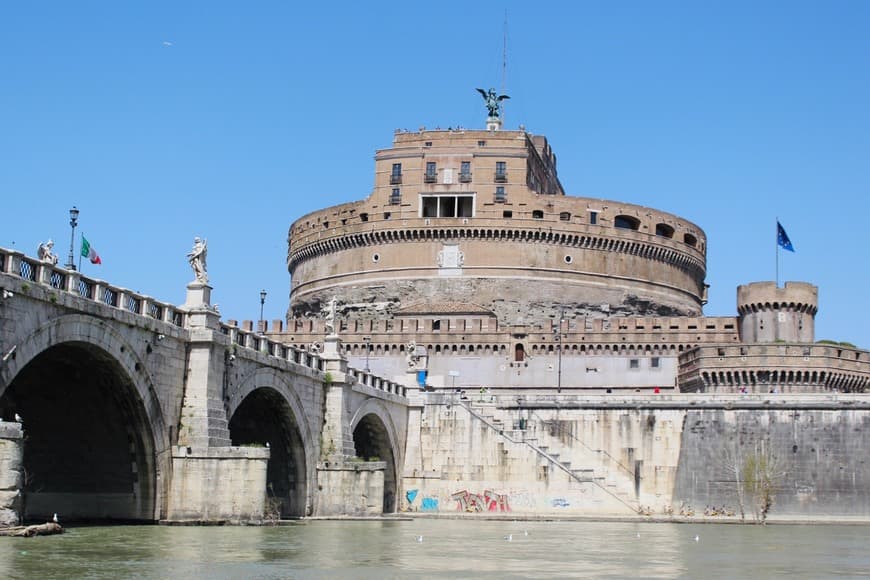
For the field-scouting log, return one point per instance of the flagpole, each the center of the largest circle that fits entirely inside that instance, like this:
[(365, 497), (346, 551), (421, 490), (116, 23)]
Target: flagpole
[(776, 241), (80, 256)]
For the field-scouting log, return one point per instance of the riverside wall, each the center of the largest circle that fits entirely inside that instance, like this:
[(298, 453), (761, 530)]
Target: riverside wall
[(591, 455)]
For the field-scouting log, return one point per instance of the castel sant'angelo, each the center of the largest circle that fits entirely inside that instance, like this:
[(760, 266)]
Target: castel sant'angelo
[(468, 266)]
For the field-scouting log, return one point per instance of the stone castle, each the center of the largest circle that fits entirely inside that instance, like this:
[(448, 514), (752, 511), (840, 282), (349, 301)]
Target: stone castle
[(469, 250)]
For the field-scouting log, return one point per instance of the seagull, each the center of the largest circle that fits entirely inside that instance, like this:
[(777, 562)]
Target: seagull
[(18, 418), (167, 43), (697, 538), (267, 444), (509, 537), (419, 538), (54, 519), (525, 532), (638, 534)]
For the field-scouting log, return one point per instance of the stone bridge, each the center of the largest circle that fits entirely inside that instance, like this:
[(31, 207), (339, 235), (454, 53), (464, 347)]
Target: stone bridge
[(135, 409)]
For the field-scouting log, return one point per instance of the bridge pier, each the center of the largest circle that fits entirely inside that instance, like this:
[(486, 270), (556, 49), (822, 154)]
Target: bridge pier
[(348, 485), (11, 469), (211, 480)]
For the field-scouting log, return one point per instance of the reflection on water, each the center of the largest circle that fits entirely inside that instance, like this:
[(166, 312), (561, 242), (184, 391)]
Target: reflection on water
[(449, 549)]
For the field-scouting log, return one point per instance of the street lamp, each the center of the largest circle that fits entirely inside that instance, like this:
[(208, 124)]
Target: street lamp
[(73, 222), (262, 303), (557, 336), (368, 342)]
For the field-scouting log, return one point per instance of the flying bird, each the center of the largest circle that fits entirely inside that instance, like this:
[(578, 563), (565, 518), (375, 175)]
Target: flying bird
[(167, 43), (419, 538), (509, 537)]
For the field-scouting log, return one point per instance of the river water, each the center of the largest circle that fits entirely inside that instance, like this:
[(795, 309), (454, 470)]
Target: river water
[(447, 549)]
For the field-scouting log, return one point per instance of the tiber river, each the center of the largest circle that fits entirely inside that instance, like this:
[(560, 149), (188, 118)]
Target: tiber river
[(444, 549)]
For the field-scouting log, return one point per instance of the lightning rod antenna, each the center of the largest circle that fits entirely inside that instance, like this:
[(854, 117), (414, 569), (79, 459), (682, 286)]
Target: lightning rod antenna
[(504, 56)]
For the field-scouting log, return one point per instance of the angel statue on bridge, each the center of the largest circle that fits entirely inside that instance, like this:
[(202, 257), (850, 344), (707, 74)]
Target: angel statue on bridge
[(197, 257), (45, 254)]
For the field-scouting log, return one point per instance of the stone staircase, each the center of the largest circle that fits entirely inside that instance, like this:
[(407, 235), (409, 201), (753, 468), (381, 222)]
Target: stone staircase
[(585, 475)]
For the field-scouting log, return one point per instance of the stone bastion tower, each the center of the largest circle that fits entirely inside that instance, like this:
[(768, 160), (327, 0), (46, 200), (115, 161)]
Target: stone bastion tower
[(468, 217)]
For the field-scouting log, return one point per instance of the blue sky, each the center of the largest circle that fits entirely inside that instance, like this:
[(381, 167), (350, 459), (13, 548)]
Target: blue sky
[(165, 120)]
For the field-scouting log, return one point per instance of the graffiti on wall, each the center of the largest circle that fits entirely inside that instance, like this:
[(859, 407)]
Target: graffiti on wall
[(474, 503), (427, 504)]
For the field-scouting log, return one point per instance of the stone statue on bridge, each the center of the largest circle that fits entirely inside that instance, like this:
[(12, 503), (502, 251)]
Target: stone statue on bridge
[(328, 313), (44, 252), (197, 257)]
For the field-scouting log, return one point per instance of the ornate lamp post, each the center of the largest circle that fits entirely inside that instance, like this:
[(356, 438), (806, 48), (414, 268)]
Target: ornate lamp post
[(368, 342), (262, 303), (557, 336), (73, 222)]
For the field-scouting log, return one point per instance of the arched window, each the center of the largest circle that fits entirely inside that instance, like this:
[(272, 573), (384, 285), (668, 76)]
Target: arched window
[(626, 222), (664, 230), (690, 239), (538, 214), (565, 216), (519, 353)]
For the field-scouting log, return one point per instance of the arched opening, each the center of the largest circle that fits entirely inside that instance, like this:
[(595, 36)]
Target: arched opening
[(664, 230), (265, 417), (371, 442), (88, 449), (626, 222), (519, 352)]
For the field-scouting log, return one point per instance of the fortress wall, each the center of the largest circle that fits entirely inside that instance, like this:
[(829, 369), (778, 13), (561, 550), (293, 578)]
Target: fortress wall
[(537, 373), (654, 457), (818, 458)]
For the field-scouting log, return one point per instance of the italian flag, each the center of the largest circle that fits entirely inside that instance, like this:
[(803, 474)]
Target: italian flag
[(89, 253)]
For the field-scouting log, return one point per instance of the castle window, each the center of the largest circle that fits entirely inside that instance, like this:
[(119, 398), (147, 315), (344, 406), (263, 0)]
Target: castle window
[(396, 175), (428, 143), (436, 326), (507, 214), (465, 172), (481, 143), (364, 217), (538, 214), (626, 222), (664, 230), (634, 363), (691, 240), (501, 171), (396, 196), (447, 206), (431, 172), (565, 216), (655, 362), (593, 217), (500, 196)]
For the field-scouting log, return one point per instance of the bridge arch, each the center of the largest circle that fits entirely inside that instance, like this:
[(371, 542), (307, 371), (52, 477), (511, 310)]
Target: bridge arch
[(374, 435), (267, 409), (93, 424)]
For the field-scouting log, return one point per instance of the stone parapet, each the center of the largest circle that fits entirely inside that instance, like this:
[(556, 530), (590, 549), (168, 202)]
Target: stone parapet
[(783, 367)]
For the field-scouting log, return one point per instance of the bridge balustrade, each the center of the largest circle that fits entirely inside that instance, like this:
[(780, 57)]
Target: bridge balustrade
[(59, 278)]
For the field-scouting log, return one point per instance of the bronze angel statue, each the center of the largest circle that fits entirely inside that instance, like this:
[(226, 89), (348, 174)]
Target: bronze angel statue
[(493, 101)]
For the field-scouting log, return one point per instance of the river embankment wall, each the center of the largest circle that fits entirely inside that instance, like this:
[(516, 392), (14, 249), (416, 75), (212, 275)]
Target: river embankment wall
[(661, 456)]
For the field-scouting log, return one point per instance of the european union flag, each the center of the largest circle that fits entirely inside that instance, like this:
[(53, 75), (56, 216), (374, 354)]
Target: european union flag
[(782, 238)]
